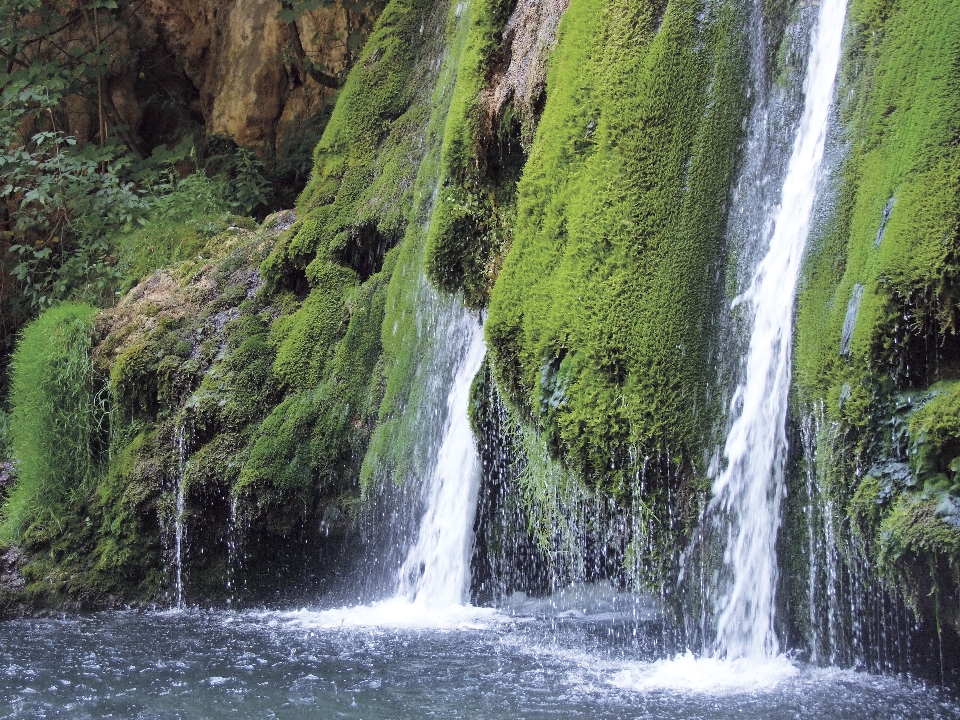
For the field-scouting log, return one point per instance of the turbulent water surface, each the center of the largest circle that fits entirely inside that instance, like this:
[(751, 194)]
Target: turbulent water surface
[(393, 660)]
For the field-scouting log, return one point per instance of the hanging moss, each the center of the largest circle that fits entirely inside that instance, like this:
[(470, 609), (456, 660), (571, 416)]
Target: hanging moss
[(481, 160), (876, 338), (307, 338), (304, 450), (365, 164), (599, 321), (412, 308), (127, 557), (58, 424)]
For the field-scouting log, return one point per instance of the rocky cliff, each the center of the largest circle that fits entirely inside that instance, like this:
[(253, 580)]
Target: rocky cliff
[(237, 68)]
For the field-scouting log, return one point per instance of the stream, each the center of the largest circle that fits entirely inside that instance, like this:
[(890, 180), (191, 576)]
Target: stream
[(590, 655)]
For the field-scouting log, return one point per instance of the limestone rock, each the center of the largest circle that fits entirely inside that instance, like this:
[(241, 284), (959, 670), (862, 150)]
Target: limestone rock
[(228, 67)]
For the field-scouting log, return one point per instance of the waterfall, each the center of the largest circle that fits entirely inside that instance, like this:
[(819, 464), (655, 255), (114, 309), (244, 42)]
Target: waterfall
[(180, 446), (436, 571), (430, 584), (749, 490)]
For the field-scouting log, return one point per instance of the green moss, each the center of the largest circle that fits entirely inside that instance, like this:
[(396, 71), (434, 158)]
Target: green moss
[(896, 229), (57, 422), (620, 227), (883, 367), (304, 450), (402, 377), (913, 526), (365, 163), (127, 559), (354, 339), (150, 370), (307, 339), (935, 438), (481, 160)]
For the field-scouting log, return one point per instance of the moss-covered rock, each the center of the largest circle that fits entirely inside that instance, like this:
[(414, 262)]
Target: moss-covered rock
[(600, 319), (481, 160), (876, 342), (58, 417)]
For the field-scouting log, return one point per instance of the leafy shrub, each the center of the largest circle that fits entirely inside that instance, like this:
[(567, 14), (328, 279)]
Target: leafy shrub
[(64, 201), (247, 188), (184, 214)]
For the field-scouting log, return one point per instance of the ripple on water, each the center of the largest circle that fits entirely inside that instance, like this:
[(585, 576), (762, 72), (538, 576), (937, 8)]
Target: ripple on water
[(467, 664)]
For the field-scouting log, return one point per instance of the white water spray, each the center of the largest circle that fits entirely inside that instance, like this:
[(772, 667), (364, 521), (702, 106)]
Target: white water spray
[(750, 489), (436, 571)]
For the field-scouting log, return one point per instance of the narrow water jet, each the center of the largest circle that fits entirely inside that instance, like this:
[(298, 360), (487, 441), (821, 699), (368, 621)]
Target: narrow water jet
[(749, 491), (180, 447)]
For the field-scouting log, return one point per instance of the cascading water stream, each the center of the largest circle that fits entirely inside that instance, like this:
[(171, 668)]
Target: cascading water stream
[(436, 571), (180, 442), (749, 491)]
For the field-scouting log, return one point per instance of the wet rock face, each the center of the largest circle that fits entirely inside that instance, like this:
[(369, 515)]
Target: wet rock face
[(11, 581)]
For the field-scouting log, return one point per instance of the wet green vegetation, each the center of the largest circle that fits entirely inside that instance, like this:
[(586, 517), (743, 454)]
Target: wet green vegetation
[(876, 337), (275, 374)]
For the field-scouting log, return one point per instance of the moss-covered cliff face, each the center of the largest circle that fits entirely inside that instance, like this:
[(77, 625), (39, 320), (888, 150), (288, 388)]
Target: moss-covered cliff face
[(876, 348), (599, 322), (605, 265), (239, 391), (564, 168)]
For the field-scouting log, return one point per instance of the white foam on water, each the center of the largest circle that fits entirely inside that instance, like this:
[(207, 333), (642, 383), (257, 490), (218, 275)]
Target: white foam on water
[(690, 674), (395, 613)]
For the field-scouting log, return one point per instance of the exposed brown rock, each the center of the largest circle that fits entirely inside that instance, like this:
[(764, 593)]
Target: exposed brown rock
[(248, 65), (230, 66), (530, 34)]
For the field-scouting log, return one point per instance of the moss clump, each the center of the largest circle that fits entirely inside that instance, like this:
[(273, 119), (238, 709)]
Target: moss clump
[(307, 339), (599, 321), (127, 556), (935, 439), (354, 208), (58, 425), (481, 160), (305, 451), (914, 526)]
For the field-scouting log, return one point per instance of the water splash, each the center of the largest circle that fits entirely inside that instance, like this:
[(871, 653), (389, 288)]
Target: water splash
[(431, 584), (750, 489), (690, 674), (436, 571)]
